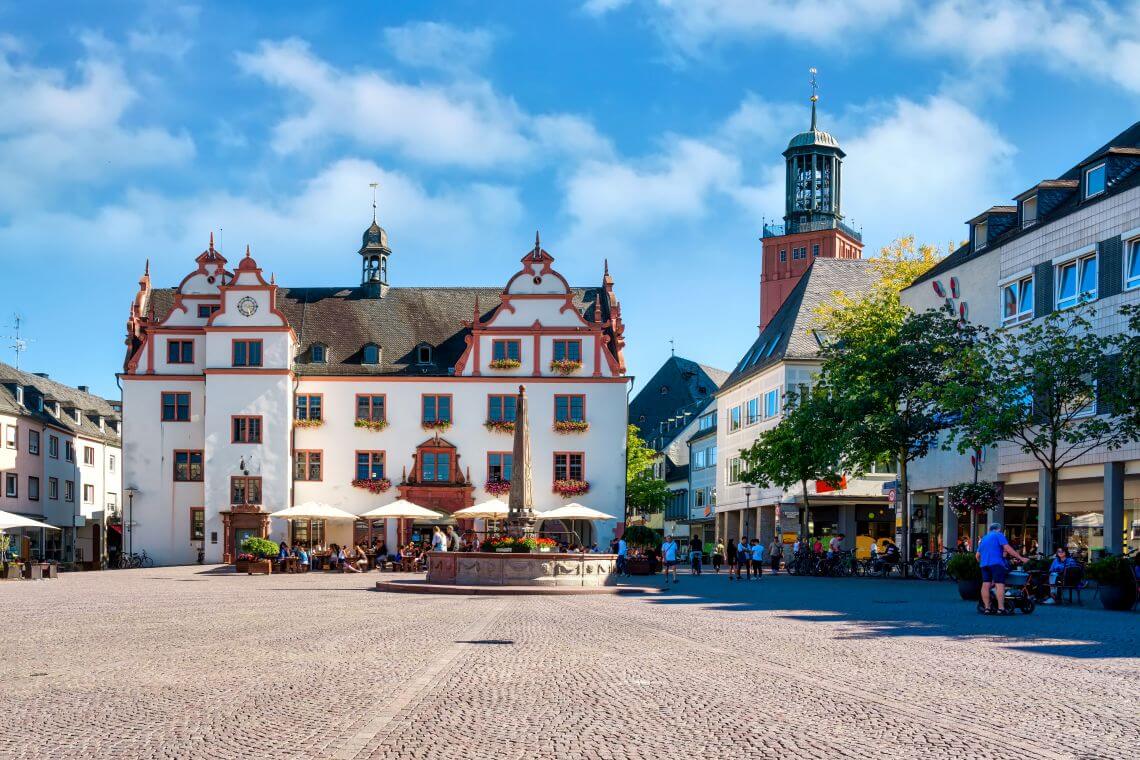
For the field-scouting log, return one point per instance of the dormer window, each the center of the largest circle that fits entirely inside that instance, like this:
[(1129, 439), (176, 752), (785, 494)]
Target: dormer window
[(1095, 178), (1029, 211), (20, 395), (980, 236), (423, 354), (320, 353), (371, 354)]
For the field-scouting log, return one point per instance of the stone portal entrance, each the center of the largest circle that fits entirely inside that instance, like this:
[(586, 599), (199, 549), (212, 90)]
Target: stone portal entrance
[(240, 522)]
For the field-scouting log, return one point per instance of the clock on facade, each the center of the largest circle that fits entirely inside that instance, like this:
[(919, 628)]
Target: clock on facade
[(247, 306)]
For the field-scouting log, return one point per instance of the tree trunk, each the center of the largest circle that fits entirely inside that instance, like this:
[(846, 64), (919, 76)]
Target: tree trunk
[(904, 500), (803, 512)]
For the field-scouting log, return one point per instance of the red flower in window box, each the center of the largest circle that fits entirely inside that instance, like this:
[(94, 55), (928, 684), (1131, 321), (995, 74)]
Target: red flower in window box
[(436, 424), (374, 425), (308, 423), (372, 485), (500, 426), (497, 487), (505, 364), (568, 488), (571, 426), (565, 366)]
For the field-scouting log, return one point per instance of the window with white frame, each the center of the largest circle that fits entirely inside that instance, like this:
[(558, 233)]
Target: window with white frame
[(1095, 180), (753, 415), (1085, 404), (980, 231), (734, 415), (1132, 264), (1029, 211), (734, 469), (706, 421), (1076, 281), (699, 459), (771, 403), (1017, 301)]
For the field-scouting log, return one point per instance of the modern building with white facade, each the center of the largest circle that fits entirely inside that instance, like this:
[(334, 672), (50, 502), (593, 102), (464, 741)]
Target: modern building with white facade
[(242, 397), (702, 477), (1066, 241), (61, 463)]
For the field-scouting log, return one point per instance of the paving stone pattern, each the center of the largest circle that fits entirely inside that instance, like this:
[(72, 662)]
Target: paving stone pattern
[(181, 663)]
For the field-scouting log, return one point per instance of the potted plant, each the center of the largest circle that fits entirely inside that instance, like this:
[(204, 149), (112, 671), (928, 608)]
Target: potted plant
[(440, 425), (571, 426), (256, 557), (310, 423), (500, 426), (367, 424), (974, 500), (642, 538), (497, 487), (964, 568), (565, 366), (372, 485), (567, 488), (1116, 579), (505, 364)]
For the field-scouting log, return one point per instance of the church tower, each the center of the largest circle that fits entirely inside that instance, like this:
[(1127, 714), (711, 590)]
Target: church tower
[(374, 253), (813, 221)]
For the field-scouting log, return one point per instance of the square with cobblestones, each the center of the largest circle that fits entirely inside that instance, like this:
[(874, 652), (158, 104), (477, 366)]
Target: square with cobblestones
[(201, 663)]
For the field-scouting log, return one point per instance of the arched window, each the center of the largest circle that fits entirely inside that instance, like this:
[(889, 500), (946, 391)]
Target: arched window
[(371, 354), (320, 353)]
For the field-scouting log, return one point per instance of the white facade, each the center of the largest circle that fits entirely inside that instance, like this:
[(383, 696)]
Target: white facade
[(536, 310)]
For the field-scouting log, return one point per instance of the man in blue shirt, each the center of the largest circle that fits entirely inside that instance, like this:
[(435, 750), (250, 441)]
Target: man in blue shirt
[(622, 550), (991, 554)]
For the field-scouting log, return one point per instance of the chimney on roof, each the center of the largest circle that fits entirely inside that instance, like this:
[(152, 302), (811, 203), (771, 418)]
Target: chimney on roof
[(83, 389), (44, 375)]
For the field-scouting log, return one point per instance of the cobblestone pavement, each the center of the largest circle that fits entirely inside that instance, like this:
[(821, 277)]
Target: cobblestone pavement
[(181, 663)]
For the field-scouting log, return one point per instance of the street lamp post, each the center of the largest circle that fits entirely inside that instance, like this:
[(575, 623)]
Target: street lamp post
[(130, 491), (747, 505)]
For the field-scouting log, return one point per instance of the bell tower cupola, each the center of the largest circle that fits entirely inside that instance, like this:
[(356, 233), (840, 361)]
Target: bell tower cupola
[(374, 253), (813, 186)]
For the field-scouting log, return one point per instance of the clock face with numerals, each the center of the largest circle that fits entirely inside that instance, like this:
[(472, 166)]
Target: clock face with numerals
[(247, 306)]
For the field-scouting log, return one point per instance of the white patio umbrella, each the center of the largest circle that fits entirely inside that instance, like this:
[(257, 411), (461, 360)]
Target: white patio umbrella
[(492, 509), (401, 510), (574, 511), (313, 510), (9, 520)]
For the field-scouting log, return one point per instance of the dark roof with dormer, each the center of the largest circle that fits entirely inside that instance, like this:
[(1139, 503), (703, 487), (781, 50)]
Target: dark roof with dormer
[(91, 406), (347, 319), (680, 390), (791, 334)]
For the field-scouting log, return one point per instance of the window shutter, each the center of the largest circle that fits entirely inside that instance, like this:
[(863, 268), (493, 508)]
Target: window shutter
[(1110, 267), (1043, 289), (1107, 380)]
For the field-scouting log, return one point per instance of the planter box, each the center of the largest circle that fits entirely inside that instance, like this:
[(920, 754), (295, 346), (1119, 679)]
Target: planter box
[(11, 572), (33, 571), (970, 591), (639, 566), (51, 571), (1117, 597), (255, 567)]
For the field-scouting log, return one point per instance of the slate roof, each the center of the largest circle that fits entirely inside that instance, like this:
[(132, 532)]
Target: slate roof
[(1125, 143), (790, 333), (680, 385), (345, 320), (91, 405)]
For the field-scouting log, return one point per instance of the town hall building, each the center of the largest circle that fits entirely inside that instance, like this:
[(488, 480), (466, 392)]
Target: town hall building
[(242, 397)]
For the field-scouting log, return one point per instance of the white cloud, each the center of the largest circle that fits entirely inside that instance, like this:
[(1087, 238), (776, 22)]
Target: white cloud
[(433, 45), (602, 7), (465, 123), (72, 129)]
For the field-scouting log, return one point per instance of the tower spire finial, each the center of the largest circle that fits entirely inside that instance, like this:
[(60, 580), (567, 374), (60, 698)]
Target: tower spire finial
[(374, 185), (814, 94), (211, 240), (537, 245)]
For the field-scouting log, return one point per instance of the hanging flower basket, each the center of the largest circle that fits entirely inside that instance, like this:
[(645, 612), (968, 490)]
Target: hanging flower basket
[(977, 498), (505, 364), (308, 423), (565, 366), (567, 488), (497, 487), (571, 426), (372, 485), (374, 425), (500, 426), (436, 425)]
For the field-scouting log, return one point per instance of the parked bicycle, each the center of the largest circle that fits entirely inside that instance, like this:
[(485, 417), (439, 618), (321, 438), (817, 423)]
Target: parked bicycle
[(931, 567), (135, 560)]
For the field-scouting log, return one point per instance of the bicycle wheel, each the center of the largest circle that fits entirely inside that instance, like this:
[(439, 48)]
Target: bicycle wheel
[(922, 569), (136, 562), (124, 562), (146, 562)]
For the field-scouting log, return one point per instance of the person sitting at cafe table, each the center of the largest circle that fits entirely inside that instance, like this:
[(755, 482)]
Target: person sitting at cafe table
[(282, 551), (1062, 561), (302, 557)]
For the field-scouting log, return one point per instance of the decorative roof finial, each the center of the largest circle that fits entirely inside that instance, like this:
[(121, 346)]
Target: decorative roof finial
[(374, 185), (146, 269), (211, 240), (814, 94), (537, 245), (247, 251)]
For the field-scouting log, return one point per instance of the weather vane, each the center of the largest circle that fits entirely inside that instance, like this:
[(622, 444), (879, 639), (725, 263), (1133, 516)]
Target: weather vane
[(814, 84), (374, 185)]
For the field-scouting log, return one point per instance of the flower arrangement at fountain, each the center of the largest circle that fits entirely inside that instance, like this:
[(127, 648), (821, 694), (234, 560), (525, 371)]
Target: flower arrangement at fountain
[(497, 487), (519, 545), (372, 485), (440, 425), (500, 426), (565, 366), (571, 426), (505, 364), (374, 425), (570, 487), (308, 423)]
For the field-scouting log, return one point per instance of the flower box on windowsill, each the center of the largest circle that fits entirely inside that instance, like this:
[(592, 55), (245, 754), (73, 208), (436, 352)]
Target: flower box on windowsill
[(308, 423), (567, 488), (565, 366), (497, 487), (500, 426), (372, 485), (571, 426), (374, 425), (505, 364), (436, 425)]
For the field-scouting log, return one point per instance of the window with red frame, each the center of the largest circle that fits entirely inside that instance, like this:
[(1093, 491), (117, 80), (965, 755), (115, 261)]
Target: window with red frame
[(568, 350), (307, 465), (246, 429), (245, 490), (506, 349), (309, 407), (369, 465), (499, 465), (569, 465), (175, 406), (247, 353), (570, 408), (501, 408), (179, 352), (188, 466), (197, 523), (371, 407)]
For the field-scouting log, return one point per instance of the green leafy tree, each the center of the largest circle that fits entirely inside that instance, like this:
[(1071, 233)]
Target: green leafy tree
[(644, 494), (802, 447), (1038, 387)]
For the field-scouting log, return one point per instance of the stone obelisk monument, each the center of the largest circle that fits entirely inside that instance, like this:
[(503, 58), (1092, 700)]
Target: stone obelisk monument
[(520, 503)]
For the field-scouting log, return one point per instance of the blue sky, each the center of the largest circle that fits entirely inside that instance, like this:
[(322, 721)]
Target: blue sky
[(645, 131)]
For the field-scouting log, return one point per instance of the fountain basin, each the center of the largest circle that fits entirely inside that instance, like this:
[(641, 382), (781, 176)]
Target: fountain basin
[(519, 569)]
